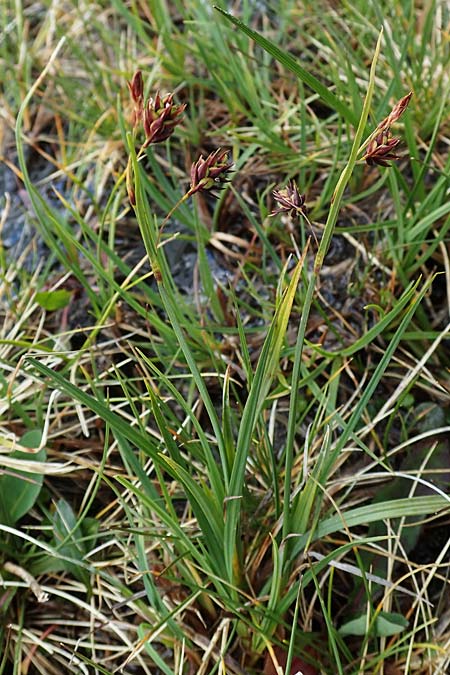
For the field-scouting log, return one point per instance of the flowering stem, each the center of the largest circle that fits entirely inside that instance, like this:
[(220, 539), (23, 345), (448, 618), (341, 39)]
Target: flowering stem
[(311, 229), (172, 211), (348, 170), (296, 513)]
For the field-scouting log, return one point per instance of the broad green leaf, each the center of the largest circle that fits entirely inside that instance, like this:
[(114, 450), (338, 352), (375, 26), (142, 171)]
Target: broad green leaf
[(390, 623), (20, 489), (386, 623), (52, 300), (69, 539)]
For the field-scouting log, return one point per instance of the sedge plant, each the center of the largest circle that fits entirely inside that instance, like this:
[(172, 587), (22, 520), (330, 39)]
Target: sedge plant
[(207, 498)]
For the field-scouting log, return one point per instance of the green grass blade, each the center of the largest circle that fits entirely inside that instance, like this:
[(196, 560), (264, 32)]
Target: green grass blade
[(291, 64), (371, 513), (307, 303), (265, 371)]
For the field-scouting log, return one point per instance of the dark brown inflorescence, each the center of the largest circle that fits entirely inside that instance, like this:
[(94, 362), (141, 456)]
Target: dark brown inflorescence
[(210, 173), (381, 148), (290, 201), (160, 117), (136, 88)]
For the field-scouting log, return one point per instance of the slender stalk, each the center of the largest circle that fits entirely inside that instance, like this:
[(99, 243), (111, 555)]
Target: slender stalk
[(318, 263), (172, 211)]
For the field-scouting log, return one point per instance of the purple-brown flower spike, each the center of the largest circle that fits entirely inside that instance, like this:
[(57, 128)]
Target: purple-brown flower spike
[(381, 149), (161, 116), (211, 172), (136, 87), (290, 201), (395, 114)]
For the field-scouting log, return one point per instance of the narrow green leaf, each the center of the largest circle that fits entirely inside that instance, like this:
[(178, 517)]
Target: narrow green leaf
[(209, 457), (291, 64), (363, 515), (117, 423), (370, 335), (268, 364), (217, 480), (271, 620), (209, 518)]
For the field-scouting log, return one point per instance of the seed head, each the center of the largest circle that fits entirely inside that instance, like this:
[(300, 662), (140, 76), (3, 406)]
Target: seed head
[(136, 87), (381, 149), (290, 201), (382, 146), (160, 117), (395, 114), (211, 172)]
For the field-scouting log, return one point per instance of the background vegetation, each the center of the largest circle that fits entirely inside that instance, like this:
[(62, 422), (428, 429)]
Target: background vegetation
[(224, 434)]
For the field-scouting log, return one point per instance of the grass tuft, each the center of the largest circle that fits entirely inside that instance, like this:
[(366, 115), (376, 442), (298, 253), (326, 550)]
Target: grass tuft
[(224, 285)]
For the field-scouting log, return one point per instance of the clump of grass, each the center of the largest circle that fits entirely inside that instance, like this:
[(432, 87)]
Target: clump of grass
[(237, 478)]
